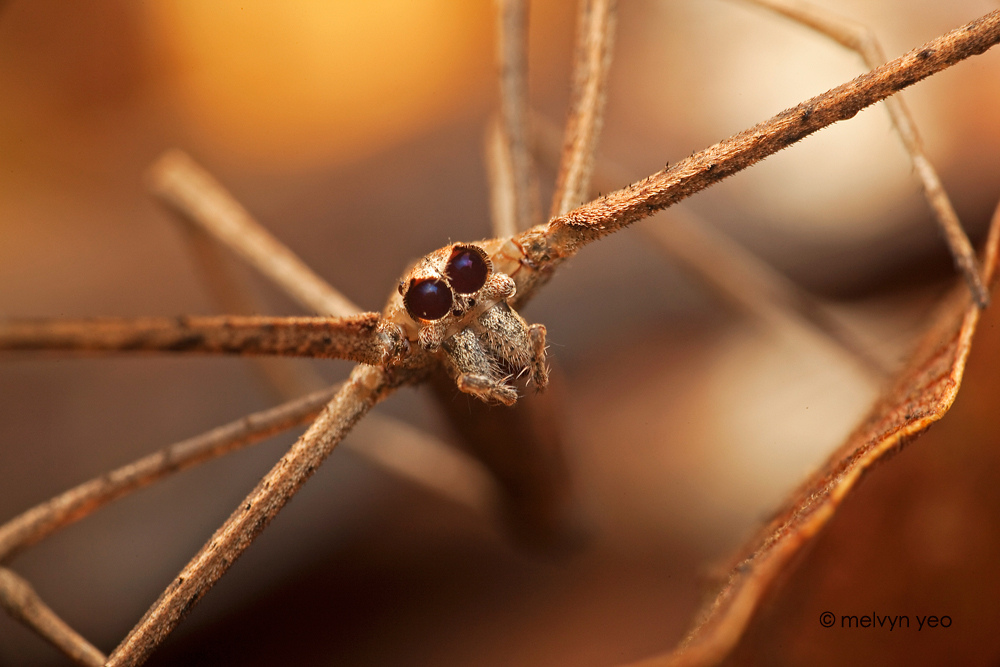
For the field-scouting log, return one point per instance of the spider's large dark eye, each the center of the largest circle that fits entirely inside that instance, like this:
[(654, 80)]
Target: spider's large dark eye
[(428, 299), (468, 268)]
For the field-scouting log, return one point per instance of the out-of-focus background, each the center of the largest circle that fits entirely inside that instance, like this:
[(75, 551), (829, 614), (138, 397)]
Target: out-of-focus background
[(354, 132)]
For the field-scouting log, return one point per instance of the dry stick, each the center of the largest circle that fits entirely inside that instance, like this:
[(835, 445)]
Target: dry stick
[(859, 38), (566, 234), (42, 520), (193, 192), (514, 197), (595, 43), (366, 387), (22, 602), (362, 338)]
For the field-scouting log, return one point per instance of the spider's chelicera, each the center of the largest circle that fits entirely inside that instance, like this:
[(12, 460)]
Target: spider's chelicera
[(453, 302)]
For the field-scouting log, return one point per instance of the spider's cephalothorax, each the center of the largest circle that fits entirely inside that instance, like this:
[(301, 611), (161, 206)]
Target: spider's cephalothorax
[(452, 302)]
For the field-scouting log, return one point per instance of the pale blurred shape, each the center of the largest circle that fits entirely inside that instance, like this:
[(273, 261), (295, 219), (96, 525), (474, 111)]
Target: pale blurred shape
[(312, 82)]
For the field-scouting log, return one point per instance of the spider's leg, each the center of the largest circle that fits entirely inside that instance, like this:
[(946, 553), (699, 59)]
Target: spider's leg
[(513, 186), (196, 195), (475, 373), (364, 338), (594, 45), (860, 39), (539, 370), (545, 246)]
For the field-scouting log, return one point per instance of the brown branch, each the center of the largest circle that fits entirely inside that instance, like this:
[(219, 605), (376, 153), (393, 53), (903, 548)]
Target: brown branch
[(76, 503), (514, 188), (366, 387), (23, 603), (860, 39), (566, 234), (595, 44), (196, 195), (364, 338)]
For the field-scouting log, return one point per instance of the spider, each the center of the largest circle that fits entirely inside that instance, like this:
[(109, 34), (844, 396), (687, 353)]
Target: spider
[(456, 308)]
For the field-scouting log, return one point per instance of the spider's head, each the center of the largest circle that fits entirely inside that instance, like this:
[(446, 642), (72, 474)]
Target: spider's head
[(445, 282), (446, 291), (454, 303)]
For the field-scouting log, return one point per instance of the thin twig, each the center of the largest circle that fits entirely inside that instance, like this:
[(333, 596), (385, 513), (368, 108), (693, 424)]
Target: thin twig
[(364, 338), (861, 39), (42, 520), (195, 194), (23, 603), (595, 43), (514, 191), (366, 387), (564, 235)]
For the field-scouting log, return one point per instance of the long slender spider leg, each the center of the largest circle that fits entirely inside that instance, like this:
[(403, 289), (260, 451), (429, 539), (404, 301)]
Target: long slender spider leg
[(756, 287), (364, 338), (21, 601), (727, 267), (500, 176), (37, 523), (547, 245), (860, 39), (594, 46), (284, 378), (366, 387), (513, 185), (194, 193)]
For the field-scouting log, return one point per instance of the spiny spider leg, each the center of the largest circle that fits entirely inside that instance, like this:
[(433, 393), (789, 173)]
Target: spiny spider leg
[(22, 602), (592, 62), (514, 202), (363, 338), (179, 182), (861, 39), (546, 246)]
